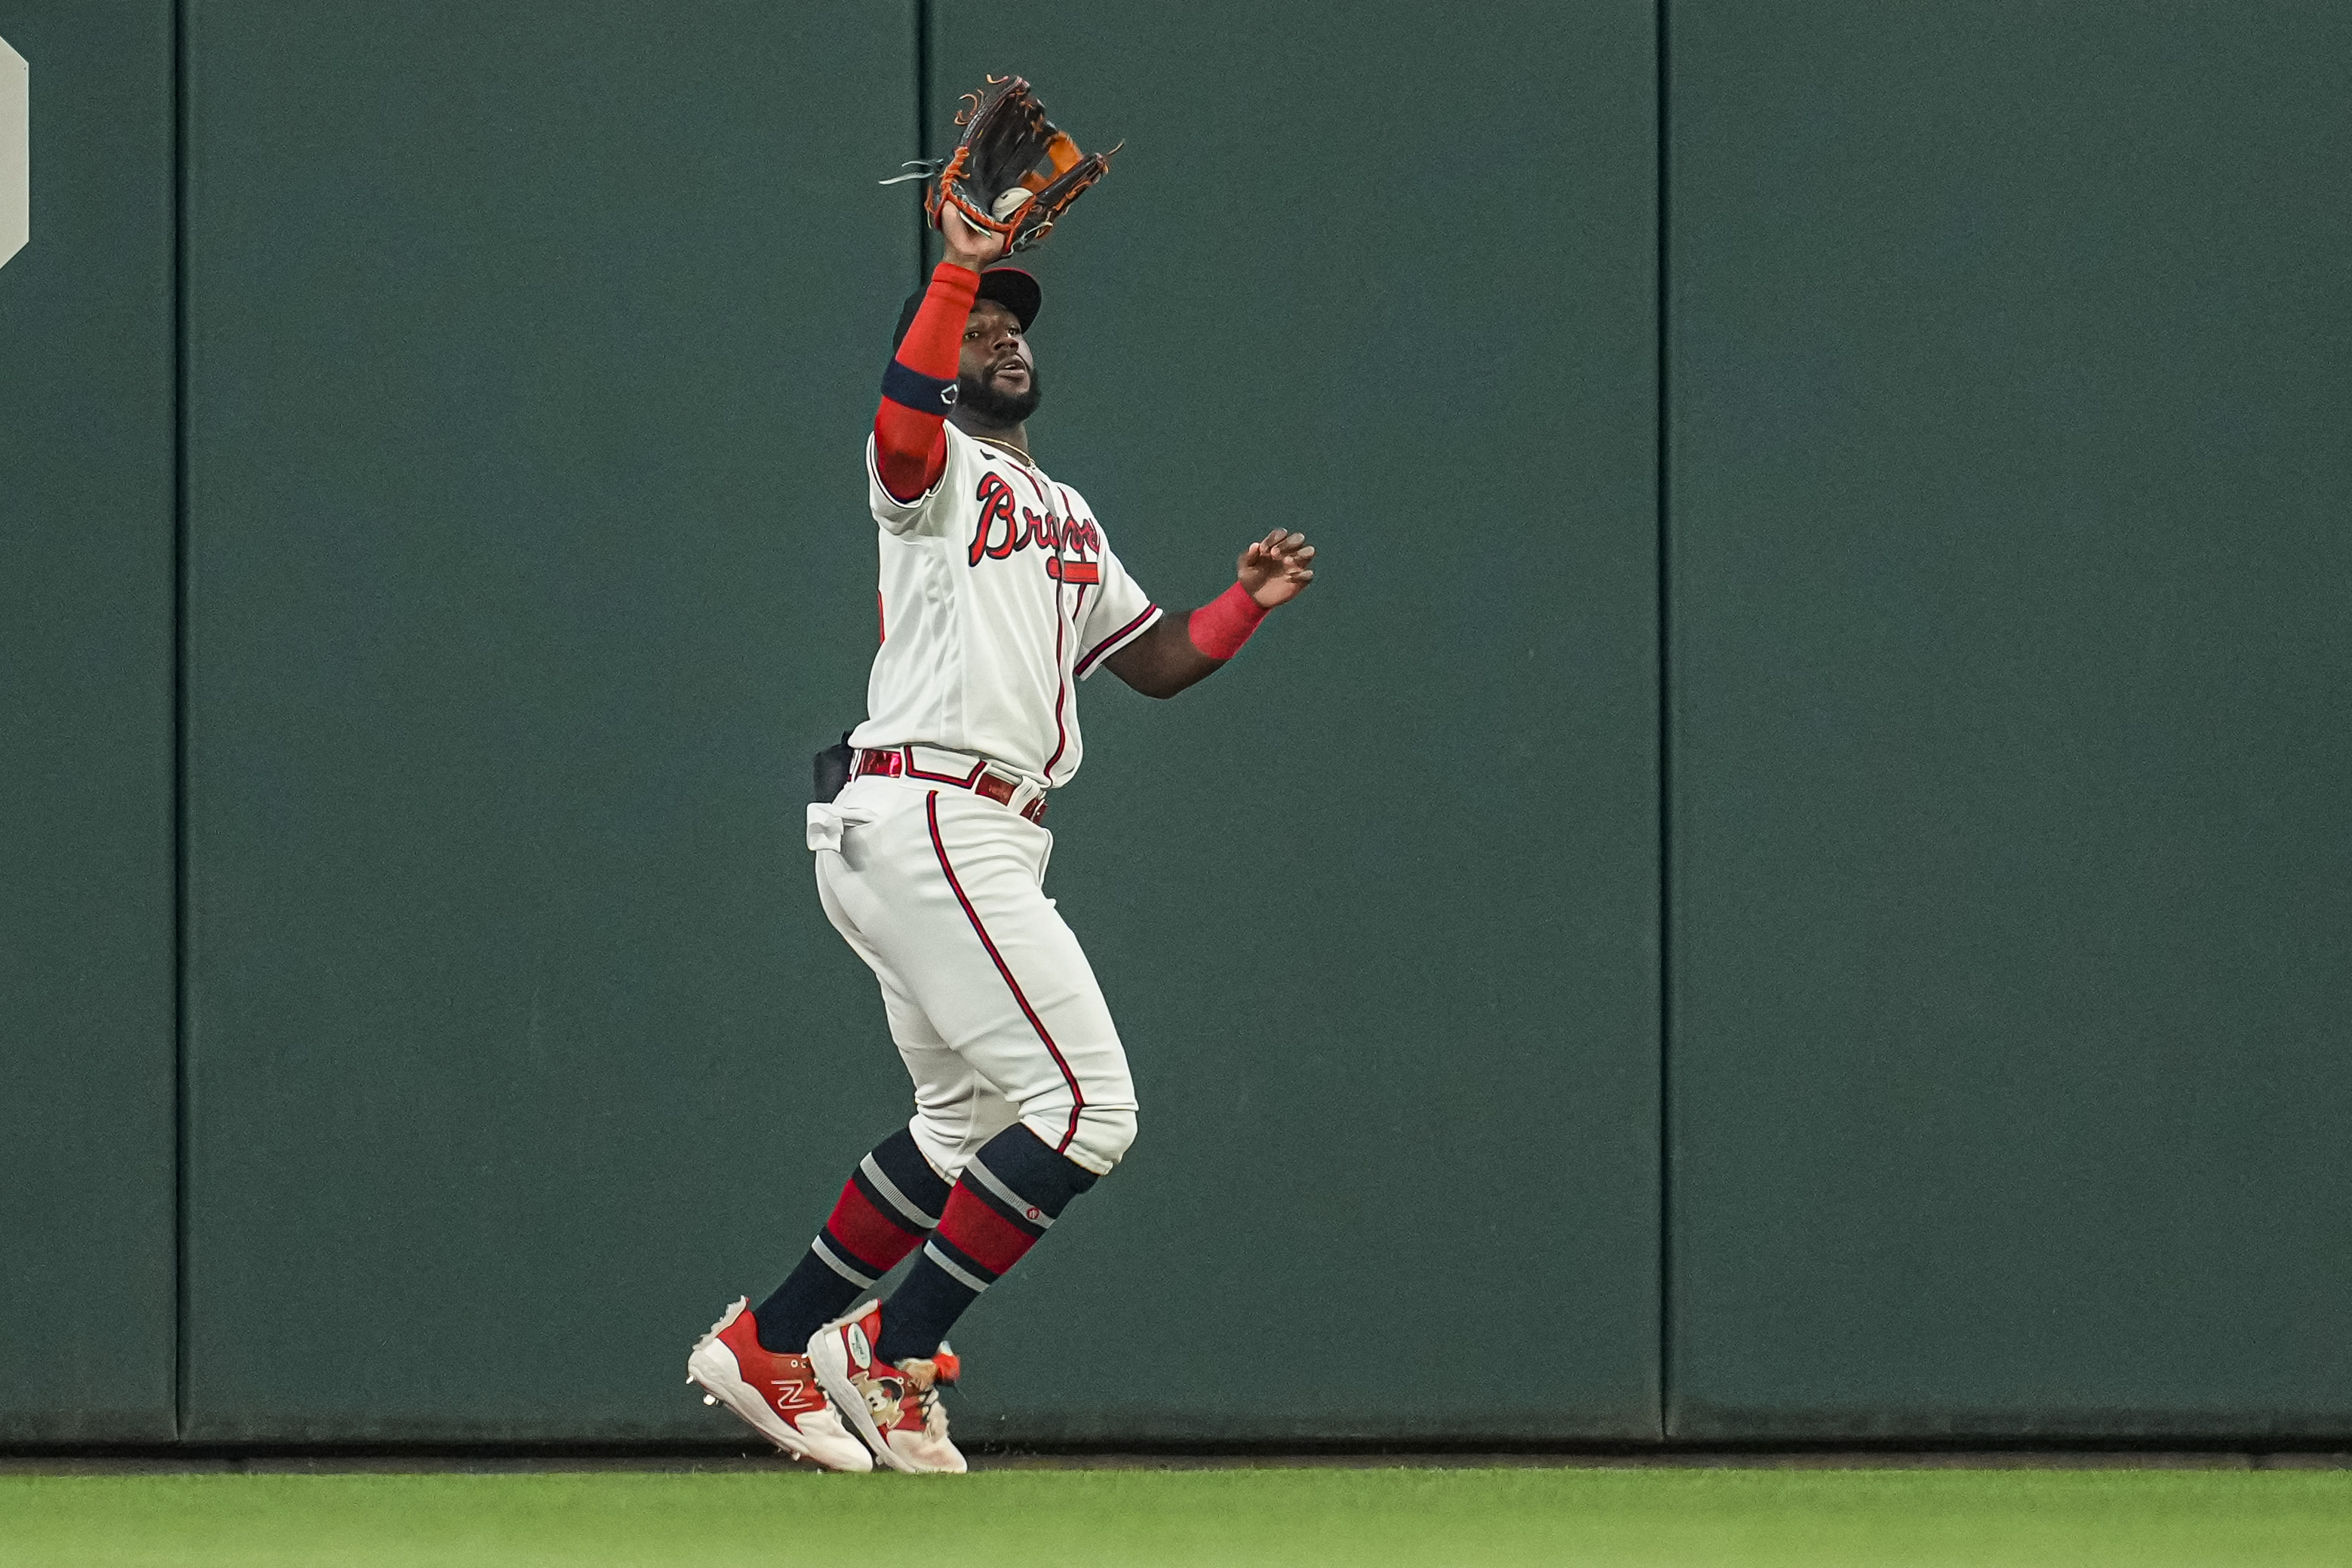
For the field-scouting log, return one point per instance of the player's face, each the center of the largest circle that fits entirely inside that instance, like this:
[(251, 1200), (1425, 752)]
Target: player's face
[(995, 355)]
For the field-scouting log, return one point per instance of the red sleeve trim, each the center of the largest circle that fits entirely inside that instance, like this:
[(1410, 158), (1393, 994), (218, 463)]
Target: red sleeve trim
[(1116, 640)]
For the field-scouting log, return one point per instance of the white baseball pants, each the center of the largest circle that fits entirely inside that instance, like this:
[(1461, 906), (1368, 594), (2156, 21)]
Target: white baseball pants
[(993, 1006)]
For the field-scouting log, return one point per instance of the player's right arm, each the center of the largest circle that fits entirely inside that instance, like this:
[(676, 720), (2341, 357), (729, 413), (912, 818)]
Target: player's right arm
[(910, 443), (1174, 653)]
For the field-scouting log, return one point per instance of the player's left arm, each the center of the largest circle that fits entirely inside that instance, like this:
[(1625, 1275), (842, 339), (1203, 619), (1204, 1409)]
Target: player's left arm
[(1174, 653)]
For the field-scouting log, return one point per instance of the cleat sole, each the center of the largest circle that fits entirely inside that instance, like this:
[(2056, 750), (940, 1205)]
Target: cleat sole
[(712, 1366)]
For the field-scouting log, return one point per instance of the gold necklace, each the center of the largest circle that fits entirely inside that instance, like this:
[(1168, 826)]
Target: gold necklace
[(1009, 447)]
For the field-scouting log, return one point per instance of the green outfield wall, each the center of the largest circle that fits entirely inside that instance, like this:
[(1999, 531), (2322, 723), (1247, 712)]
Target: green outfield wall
[(86, 1054), (1789, 881), (2010, 351), (527, 356), (1378, 907)]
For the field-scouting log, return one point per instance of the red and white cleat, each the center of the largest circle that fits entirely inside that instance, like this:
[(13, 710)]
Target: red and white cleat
[(895, 1408), (776, 1395)]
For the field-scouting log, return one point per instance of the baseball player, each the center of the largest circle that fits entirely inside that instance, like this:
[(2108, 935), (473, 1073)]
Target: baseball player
[(1000, 593)]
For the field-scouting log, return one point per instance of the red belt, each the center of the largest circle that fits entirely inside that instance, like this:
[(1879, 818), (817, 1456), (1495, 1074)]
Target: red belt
[(899, 763)]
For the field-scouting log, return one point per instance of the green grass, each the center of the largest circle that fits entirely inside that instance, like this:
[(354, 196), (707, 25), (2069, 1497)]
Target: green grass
[(1111, 1519)]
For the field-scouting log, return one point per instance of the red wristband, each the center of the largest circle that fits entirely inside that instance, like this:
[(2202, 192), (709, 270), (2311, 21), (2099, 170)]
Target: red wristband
[(1220, 627)]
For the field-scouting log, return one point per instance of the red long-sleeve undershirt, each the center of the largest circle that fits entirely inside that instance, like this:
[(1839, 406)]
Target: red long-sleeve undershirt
[(910, 448)]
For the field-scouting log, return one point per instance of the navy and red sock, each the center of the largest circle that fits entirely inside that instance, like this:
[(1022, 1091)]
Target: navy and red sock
[(1010, 1195), (891, 1201)]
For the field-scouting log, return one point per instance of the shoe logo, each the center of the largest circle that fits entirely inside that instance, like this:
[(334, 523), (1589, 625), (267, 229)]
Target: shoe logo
[(859, 1350), (788, 1395), (884, 1399)]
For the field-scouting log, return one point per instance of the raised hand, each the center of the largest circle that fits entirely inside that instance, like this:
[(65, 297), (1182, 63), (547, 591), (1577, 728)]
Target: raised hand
[(968, 246), (1277, 569)]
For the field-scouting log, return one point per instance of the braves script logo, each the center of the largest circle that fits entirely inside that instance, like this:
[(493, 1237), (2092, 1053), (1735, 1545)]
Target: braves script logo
[(1006, 526)]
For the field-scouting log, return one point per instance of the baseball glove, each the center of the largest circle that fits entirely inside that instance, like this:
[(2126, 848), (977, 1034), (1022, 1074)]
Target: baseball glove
[(1014, 172)]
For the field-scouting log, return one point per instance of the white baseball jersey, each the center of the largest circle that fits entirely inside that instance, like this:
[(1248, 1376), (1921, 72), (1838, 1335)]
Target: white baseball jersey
[(999, 594)]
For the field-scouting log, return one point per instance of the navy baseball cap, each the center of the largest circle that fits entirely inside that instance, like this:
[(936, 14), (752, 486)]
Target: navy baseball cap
[(1010, 286)]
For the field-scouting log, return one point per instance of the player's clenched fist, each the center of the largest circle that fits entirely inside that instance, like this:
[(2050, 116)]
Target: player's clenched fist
[(1276, 568)]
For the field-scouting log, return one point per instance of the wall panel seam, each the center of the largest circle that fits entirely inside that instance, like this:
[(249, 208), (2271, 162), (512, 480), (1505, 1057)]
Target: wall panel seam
[(1662, 106), (922, 22), (179, 642)]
